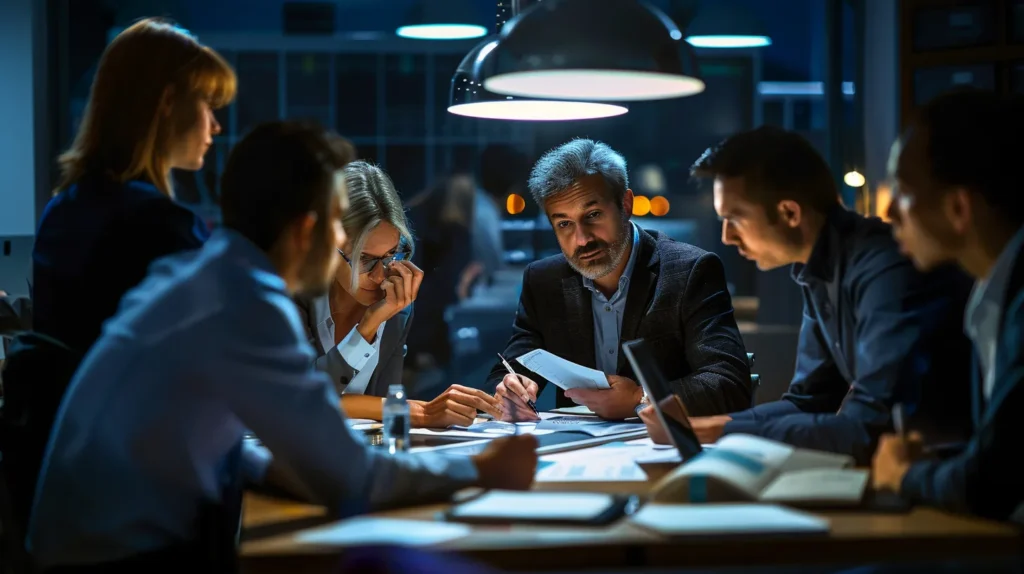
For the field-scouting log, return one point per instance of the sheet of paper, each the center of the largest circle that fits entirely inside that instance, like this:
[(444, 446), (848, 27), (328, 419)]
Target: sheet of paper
[(593, 427), (591, 471), (524, 428), (720, 519), (576, 410), (818, 485), (370, 531), (562, 373), (503, 504)]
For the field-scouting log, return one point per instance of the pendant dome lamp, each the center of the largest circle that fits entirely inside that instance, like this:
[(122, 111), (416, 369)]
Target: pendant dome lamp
[(724, 24), (440, 20), (468, 97), (598, 50)]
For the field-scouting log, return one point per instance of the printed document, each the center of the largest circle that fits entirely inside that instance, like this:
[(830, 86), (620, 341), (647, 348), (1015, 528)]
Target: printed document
[(562, 373)]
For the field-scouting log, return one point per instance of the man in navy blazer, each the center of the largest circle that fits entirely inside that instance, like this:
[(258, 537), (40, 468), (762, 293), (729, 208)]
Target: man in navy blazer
[(959, 198), (875, 331)]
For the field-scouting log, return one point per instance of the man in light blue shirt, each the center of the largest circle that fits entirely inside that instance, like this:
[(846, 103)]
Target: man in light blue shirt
[(209, 345), (608, 312)]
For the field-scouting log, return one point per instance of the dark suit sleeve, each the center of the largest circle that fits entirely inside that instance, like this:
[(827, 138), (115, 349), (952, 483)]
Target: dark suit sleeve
[(985, 479), (891, 310), (720, 380), (525, 338)]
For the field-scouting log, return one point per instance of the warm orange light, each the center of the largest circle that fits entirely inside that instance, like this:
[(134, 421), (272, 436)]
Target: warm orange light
[(659, 206), (641, 206), (883, 197), (515, 204)]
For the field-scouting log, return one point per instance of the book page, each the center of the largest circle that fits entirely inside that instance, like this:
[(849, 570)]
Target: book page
[(824, 485), (562, 373), (748, 463)]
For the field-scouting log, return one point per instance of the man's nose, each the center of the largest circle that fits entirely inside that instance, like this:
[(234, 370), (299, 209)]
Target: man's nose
[(728, 236)]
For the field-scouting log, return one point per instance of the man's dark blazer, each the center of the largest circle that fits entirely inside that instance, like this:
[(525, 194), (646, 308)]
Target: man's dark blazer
[(677, 301), (875, 332), (316, 317), (981, 480)]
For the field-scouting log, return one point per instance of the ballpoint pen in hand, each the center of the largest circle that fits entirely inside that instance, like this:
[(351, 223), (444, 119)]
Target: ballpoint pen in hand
[(508, 367), (897, 420)]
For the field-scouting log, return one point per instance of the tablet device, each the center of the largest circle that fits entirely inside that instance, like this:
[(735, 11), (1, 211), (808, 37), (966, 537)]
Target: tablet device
[(656, 387)]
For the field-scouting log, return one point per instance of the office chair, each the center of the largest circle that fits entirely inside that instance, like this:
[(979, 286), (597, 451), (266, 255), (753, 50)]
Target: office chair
[(755, 380)]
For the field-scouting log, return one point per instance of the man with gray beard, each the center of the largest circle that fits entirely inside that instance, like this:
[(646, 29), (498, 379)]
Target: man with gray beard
[(615, 282)]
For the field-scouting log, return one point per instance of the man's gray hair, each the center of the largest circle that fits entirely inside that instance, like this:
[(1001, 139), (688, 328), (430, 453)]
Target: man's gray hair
[(561, 167)]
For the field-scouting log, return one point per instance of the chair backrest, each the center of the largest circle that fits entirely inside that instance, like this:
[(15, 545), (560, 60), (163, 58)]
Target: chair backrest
[(755, 380), (38, 370)]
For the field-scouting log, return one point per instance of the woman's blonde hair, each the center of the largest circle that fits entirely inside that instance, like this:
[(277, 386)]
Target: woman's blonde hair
[(372, 199), (123, 133)]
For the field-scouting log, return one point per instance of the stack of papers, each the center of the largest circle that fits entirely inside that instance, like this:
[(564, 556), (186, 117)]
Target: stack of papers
[(590, 425), (613, 462)]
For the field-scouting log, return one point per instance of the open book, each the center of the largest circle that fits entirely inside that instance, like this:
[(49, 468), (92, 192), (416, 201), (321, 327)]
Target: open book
[(748, 468), (563, 373)]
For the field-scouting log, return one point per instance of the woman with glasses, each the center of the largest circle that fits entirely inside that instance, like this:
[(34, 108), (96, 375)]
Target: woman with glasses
[(359, 327)]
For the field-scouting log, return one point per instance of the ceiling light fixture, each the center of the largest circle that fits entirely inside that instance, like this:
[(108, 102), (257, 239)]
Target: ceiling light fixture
[(468, 97), (440, 20), (723, 24), (606, 50)]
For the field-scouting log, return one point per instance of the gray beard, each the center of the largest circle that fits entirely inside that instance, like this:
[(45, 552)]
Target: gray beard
[(617, 251)]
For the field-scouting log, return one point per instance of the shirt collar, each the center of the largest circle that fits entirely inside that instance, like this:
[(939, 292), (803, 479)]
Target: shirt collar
[(242, 250), (991, 290), (822, 261), (630, 264)]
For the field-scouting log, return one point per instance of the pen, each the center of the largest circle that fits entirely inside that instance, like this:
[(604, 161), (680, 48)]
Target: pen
[(897, 419), (508, 367)]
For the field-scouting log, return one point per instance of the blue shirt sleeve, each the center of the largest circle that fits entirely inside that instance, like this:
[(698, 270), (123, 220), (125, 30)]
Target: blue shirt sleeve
[(264, 374)]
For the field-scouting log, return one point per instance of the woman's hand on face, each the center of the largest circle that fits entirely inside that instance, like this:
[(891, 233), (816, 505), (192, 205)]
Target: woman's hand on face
[(401, 286)]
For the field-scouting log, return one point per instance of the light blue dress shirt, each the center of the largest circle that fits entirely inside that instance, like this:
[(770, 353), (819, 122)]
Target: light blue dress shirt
[(985, 308), (608, 313), (208, 345)]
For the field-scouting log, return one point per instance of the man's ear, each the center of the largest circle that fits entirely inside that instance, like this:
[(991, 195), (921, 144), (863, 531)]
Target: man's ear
[(303, 232), (627, 203), (789, 213), (959, 209)]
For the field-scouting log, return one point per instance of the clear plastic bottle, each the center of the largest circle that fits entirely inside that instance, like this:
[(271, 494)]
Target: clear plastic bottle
[(396, 420)]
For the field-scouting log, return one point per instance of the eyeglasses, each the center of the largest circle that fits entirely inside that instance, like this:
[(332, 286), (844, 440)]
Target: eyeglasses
[(367, 264)]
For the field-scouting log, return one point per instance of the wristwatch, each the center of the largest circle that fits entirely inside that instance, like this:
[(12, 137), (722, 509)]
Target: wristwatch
[(643, 404)]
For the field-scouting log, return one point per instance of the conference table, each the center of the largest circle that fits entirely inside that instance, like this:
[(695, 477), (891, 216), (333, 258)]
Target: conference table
[(270, 541)]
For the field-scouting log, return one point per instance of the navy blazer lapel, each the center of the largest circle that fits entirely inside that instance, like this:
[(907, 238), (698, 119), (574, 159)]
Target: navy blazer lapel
[(579, 321), (642, 286), (1009, 343)]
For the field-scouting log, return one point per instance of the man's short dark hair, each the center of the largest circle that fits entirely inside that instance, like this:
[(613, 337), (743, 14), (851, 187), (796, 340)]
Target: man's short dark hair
[(559, 168), (775, 165), (277, 173), (975, 140)]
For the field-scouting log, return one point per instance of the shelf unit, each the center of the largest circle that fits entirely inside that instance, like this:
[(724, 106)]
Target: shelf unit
[(945, 43)]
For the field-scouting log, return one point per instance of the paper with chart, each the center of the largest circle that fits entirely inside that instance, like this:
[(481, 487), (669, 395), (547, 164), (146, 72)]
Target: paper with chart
[(607, 463), (562, 373)]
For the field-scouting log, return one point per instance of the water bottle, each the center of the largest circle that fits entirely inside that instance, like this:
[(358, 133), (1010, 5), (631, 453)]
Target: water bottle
[(396, 420)]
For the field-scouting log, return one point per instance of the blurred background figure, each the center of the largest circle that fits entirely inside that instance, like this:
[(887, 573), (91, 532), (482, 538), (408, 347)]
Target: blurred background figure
[(503, 171), (442, 221)]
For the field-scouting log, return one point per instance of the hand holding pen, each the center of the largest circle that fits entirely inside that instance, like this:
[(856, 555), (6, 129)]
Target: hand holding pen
[(516, 388)]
